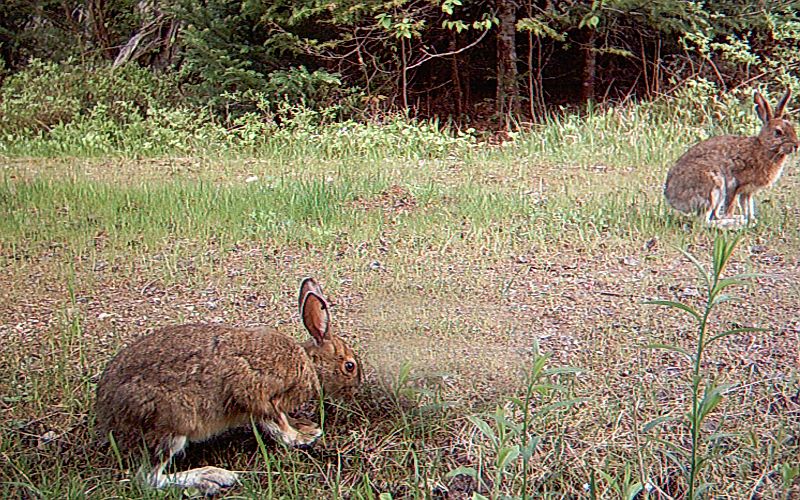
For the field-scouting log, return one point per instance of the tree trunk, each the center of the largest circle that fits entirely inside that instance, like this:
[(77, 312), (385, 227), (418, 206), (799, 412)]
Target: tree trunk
[(100, 36), (589, 67), (155, 44), (404, 74), (454, 75), (507, 103)]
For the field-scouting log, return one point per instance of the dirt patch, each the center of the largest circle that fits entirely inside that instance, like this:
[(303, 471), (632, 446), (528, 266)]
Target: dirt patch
[(392, 201)]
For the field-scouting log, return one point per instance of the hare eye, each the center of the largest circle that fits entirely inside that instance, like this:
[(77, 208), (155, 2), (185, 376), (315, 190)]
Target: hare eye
[(778, 132), (349, 366)]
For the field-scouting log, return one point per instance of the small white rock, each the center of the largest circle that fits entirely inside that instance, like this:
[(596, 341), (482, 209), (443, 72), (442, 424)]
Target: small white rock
[(46, 438), (630, 261)]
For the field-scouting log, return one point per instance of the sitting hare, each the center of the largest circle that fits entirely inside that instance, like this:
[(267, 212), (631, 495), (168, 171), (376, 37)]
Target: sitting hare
[(721, 173), (188, 383)]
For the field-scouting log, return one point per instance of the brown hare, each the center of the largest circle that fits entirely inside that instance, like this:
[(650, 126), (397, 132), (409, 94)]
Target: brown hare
[(717, 175), (188, 383)]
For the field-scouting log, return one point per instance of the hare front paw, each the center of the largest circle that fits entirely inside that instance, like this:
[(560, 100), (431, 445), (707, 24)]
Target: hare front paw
[(293, 432), (307, 431), (307, 437)]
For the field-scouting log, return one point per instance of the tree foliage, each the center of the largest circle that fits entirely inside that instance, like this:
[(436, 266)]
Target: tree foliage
[(432, 57)]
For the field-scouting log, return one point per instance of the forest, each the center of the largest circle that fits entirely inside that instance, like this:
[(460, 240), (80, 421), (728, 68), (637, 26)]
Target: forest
[(492, 63)]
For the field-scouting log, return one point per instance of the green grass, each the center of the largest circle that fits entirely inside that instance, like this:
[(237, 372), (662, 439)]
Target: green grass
[(467, 275)]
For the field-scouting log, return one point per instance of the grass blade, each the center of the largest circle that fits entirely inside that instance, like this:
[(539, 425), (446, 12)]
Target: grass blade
[(674, 348), (675, 305)]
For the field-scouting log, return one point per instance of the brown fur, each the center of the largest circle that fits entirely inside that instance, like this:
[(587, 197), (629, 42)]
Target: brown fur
[(196, 381), (199, 380), (715, 176)]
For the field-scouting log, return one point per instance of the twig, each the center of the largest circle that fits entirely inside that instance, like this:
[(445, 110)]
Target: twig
[(445, 54)]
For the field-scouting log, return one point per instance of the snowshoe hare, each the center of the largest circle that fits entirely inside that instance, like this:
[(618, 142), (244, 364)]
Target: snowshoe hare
[(188, 383), (716, 176)]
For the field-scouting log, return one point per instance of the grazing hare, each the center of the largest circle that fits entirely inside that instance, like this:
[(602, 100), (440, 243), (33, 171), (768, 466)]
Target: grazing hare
[(721, 173), (188, 383)]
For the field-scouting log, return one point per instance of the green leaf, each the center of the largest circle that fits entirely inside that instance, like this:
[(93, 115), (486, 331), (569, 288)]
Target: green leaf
[(723, 435), (519, 403), (591, 21), (539, 28), (633, 490), (465, 471), (719, 299), (789, 473), (544, 389), (560, 404), (457, 25), (610, 480), (484, 427), (564, 370), (711, 399), (675, 305), (506, 456), (384, 20), (735, 331), (748, 276), (527, 450), (726, 283), (537, 367), (699, 266), (656, 422), (678, 450), (723, 250), (503, 422)]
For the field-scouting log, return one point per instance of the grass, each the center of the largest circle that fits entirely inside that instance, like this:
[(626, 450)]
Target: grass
[(496, 293)]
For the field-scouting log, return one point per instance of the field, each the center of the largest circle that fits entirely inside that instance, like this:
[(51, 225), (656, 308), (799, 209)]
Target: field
[(496, 293)]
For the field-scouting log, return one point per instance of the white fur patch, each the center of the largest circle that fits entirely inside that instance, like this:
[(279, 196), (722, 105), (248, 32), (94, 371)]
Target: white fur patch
[(209, 480), (780, 171)]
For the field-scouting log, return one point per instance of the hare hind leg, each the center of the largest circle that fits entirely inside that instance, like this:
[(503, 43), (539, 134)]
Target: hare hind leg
[(745, 204), (209, 480), (715, 210), (720, 211)]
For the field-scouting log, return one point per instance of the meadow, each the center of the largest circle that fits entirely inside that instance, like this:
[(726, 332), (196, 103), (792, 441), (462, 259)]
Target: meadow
[(496, 291)]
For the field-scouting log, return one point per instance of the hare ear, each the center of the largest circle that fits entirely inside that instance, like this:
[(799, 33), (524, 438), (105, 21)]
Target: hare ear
[(307, 285), (316, 317), (782, 103), (762, 108)]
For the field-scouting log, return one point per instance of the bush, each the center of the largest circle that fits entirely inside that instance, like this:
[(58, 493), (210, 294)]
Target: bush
[(282, 91), (46, 94)]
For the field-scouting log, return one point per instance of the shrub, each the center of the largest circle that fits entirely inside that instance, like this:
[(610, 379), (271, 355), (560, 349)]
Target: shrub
[(46, 94)]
